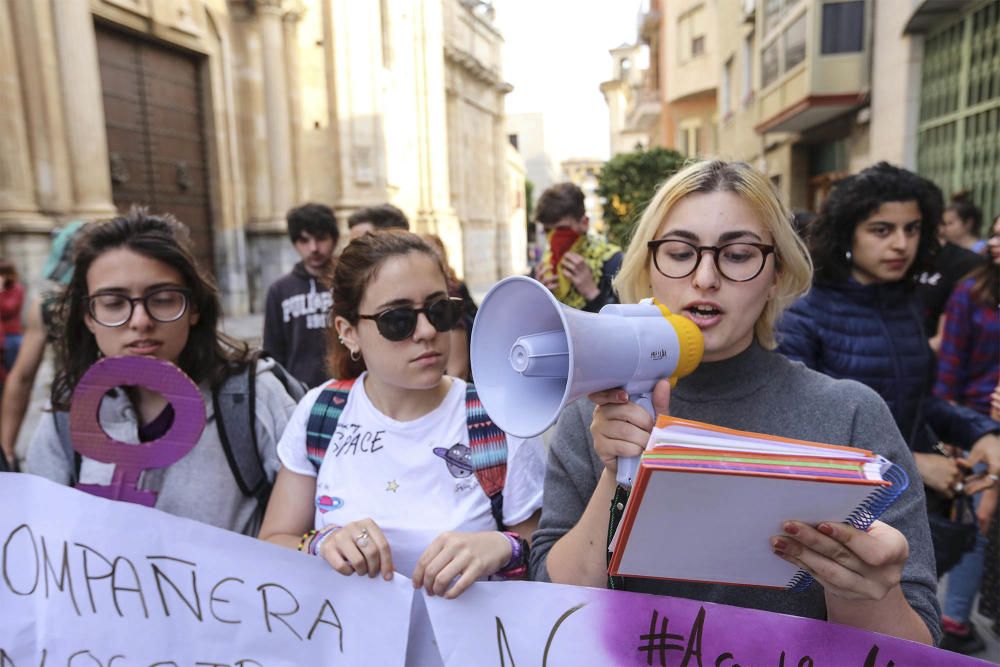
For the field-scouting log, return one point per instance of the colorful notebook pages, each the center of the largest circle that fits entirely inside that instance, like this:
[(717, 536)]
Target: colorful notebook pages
[(707, 500)]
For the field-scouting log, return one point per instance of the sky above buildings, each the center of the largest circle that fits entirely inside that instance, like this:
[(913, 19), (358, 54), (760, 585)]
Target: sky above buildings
[(556, 56)]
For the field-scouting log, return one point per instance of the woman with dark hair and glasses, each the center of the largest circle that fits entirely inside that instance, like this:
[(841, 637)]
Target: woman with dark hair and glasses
[(137, 291), (391, 482), (717, 246)]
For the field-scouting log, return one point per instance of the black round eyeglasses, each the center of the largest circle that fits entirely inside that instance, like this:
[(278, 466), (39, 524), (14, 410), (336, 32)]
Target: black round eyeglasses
[(738, 262)]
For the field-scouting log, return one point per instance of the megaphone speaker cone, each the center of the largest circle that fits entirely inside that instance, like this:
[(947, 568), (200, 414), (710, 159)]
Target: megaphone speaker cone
[(531, 355)]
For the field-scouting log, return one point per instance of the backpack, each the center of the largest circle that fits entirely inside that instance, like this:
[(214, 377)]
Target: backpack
[(487, 443), (235, 405)]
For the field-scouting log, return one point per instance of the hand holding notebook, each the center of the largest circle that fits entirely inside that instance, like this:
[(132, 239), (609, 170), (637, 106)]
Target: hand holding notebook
[(707, 500)]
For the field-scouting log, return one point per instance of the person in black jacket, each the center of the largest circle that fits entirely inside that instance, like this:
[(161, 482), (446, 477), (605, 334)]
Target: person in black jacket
[(934, 286), (295, 317)]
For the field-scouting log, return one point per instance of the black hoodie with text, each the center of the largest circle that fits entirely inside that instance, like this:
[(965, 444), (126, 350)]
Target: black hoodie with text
[(295, 324)]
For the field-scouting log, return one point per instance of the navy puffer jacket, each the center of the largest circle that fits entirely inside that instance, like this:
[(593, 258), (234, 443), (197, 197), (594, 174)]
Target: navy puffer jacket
[(874, 334)]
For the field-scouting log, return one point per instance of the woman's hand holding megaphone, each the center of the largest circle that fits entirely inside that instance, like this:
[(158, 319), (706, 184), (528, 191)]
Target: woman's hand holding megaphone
[(621, 428)]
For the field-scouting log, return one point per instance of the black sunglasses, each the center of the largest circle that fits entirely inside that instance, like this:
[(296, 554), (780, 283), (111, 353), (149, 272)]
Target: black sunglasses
[(399, 323)]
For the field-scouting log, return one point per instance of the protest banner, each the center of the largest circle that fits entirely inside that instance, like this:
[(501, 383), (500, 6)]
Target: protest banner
[(86, 582), (528, 623), (89, 582)]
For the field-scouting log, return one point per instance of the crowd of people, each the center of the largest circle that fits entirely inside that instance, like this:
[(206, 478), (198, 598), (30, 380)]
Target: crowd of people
[(864, 325)]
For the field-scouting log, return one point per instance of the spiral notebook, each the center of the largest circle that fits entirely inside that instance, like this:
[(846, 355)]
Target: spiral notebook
[(707, 500)]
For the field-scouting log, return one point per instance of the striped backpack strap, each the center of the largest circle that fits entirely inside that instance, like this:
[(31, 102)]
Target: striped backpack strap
[(323, 419), (488, 450)]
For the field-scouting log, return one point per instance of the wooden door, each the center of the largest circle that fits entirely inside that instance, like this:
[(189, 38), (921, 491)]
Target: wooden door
[(156, 132)]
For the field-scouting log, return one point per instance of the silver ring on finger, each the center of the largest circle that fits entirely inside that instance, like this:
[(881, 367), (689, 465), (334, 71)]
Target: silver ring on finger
[(362, 539)]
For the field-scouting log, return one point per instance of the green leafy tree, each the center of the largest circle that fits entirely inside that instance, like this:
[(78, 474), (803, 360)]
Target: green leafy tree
[(627, 183)]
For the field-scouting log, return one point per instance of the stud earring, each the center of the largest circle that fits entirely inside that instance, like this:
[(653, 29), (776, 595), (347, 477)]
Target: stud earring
[(849, 256)]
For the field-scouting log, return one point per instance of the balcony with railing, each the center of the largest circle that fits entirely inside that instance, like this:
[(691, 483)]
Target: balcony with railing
[(644, 110), (814, 61)]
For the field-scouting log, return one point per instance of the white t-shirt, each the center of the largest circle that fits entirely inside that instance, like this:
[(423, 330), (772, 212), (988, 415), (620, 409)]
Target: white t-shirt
[(409, 477)]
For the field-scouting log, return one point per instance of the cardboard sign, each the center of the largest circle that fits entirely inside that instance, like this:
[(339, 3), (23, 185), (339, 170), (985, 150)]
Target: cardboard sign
[(90, 440)]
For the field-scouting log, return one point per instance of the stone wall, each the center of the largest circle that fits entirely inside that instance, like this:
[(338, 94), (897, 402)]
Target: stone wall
[(341, 102)]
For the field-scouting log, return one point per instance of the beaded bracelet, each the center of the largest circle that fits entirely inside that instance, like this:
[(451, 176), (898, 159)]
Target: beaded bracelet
[(317, 541), (306, 537)]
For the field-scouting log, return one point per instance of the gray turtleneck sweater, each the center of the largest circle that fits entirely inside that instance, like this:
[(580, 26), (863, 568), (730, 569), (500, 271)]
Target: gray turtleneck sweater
[(763, 392)]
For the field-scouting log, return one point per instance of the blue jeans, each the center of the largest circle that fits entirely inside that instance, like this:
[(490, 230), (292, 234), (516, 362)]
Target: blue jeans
[(12, 345), (964, 579)]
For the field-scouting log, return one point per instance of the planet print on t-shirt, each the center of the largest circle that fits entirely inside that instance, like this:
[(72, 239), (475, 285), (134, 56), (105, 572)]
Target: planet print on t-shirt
[(458, 458), (327, 503)]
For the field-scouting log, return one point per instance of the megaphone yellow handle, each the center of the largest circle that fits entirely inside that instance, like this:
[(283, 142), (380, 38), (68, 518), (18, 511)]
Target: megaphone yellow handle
[(628, 466)]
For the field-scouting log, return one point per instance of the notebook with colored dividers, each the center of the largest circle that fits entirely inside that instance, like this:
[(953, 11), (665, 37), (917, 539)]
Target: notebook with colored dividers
[(707, 500)]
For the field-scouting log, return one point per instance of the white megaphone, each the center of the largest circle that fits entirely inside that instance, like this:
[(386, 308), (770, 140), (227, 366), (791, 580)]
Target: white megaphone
[(531, 355)]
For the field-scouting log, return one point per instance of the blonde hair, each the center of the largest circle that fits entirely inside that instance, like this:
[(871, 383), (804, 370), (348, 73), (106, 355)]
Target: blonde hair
[(792, 262)]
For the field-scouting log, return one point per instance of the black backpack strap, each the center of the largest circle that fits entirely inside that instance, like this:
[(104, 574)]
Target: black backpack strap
[(488, 450), (323, 418), (294, 387), (61, 420), (618, 502), (234, 403)]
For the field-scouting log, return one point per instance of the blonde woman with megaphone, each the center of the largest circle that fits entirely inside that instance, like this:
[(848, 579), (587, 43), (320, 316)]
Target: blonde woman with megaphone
[(716, 245)]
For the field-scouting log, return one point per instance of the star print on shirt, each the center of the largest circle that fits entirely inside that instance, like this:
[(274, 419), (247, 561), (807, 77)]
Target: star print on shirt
[(392, 486)]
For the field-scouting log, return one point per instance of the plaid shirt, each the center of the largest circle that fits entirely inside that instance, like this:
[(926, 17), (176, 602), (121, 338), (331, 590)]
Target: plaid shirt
[(969, 359)]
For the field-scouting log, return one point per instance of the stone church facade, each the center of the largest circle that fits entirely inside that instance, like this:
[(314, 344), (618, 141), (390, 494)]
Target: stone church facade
[(229, 112)]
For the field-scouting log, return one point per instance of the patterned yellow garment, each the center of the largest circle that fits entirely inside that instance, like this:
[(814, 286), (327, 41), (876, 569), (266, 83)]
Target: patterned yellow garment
[(595, 252)]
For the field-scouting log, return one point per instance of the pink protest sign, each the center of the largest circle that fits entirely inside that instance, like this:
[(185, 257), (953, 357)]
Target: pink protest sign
[(576, 625), (90, 440)]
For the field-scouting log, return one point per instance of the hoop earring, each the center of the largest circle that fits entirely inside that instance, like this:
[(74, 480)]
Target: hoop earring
[(355, 356), (849, 256)]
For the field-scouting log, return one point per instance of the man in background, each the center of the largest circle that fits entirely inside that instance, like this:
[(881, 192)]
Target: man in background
[(298, 303), (576, 267), (376, 218)]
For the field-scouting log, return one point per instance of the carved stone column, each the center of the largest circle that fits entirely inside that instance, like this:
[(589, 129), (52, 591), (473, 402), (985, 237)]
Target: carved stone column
[(17, 187), (294, 12), (23, 229), (279, 135), (435, 213), (37, 63), (83, 107)]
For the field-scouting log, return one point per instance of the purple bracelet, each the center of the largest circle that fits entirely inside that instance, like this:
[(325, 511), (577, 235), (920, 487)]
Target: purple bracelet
[(516, 552), (318, 538)]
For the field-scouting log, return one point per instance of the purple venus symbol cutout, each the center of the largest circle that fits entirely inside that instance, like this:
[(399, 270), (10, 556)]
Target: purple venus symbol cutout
[(131, 459)]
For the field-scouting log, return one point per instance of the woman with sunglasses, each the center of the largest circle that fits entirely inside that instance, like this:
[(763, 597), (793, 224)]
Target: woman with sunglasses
[(137, 291), (396, 489), (717, 246)]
